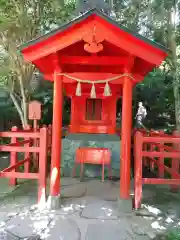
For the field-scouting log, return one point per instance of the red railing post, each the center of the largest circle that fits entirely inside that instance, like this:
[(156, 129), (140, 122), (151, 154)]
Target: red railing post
[(27, 154), (145, 159), (152, 147), (175, 164), (13, 158), (49, 137), (35, 143), (138, 169), (161, 160), (42, 166)]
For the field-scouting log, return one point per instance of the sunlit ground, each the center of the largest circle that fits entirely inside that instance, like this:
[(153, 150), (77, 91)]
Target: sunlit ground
[(87, 204)]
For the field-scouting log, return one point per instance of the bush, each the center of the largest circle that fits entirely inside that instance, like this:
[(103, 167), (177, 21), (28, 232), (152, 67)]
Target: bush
[(174, 235)]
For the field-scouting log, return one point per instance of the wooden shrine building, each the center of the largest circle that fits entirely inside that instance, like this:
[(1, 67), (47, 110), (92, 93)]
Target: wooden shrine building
[(96, 61)]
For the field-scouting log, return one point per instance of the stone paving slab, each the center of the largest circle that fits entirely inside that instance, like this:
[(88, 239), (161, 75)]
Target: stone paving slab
[(101, 210), (107, 231), (59, 228), (7, 236), (74, 191), (26, 226), (90, 215), (5, 188)]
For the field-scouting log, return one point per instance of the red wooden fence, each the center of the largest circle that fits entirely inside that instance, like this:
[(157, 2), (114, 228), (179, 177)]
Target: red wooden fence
[(152, 149), (26, 146)]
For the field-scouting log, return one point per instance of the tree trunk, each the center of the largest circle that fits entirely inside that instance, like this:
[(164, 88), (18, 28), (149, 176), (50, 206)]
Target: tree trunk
[(24, 102), (20, 112), (172, 45)]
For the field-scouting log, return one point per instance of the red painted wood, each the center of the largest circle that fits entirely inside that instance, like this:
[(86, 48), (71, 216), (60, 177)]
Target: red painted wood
[(19, 175), (42, 165), (140, 138), (90, 128), (107, 114), (89, 109), (93, 76), (93, 155), (56, 136), (161, 154), (161, 160), (167, 169), (152, 148), (161, 181), (163, 139), (130, 43), (100, 156), (75, 34), (57, 42), (34, 110), (27, 154), (175, 163), (11, 171), (138, 170), (4, 148), (95, 60), (126, 139), (18, 143), (16, 165), (20, 134), (13, 158)]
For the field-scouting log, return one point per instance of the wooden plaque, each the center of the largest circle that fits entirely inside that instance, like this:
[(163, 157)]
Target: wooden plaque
[(34, 110)]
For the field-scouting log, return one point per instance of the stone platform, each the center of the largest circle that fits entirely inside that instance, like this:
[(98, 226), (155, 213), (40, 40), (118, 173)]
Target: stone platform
[(89, 211), (72, 141)]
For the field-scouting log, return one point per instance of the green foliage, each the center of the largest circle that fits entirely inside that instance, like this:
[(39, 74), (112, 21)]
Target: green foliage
[(23, 20), (174, 235), (157, 94)]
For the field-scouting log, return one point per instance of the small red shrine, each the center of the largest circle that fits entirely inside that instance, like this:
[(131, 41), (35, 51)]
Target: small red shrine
[(96, 61)]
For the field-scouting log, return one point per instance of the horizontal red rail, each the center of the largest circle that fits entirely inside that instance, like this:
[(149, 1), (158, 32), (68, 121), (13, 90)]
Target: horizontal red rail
[(161, 154), (161, 139), (169, 170), (19, 175), (19, 143), (161, 181), (4, 148), (165, 147), (16, 165), (20, 134)]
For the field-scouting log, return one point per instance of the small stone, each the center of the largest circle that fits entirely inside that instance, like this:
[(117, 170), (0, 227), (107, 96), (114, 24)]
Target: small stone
[(151, 235)]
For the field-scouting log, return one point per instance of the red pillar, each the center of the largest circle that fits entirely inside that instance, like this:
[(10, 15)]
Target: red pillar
[(125, 166), (56, 136)]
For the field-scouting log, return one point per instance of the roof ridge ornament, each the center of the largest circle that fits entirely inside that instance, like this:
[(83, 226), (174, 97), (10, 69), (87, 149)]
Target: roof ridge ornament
[(93, 42)]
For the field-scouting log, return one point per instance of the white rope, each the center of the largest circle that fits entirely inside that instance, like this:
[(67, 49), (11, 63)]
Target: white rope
[(96, 81)]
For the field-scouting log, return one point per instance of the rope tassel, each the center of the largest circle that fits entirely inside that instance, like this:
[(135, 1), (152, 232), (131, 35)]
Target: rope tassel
[(107, 90), (93, 91), (78, 89)]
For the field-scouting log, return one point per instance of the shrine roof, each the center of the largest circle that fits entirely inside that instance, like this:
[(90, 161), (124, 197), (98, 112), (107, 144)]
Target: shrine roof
[(82, 17), (73, 46)]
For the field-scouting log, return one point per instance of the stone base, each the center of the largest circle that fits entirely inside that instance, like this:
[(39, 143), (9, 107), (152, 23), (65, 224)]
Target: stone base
[(54, 202), (125, 206)]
